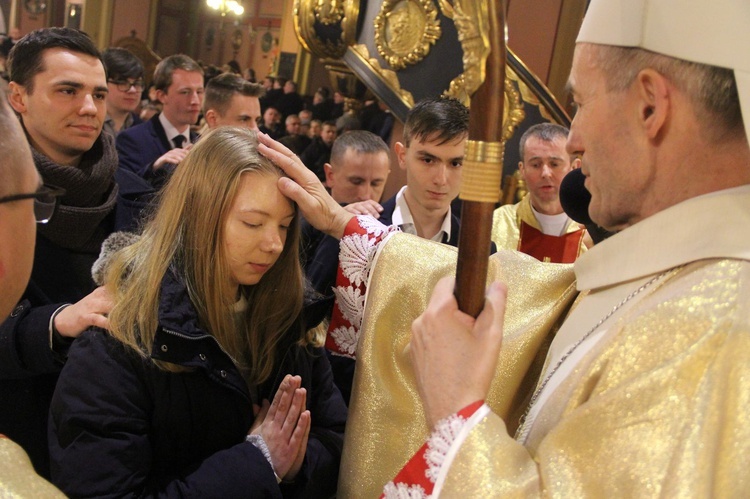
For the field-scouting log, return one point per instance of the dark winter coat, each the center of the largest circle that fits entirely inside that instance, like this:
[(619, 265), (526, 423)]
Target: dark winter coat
[(122, 427)]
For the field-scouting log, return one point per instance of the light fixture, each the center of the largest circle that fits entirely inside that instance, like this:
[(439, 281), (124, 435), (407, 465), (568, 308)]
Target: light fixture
[(225, 6)]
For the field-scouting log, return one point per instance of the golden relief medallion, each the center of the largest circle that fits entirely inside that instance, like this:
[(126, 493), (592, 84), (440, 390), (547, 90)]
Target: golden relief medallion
[(339, 17), (405, 30), (329, 11)]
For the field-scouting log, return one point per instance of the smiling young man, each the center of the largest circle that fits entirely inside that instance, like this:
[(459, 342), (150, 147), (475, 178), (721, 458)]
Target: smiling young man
[(537, 225), (152, 149), (58, 89)]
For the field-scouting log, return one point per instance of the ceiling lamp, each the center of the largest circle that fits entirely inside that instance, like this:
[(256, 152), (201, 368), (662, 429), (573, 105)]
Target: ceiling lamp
[(224, 6)]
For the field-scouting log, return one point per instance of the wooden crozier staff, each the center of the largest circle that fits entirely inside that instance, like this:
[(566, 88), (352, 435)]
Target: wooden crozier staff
[(386, 424), (483, 168)]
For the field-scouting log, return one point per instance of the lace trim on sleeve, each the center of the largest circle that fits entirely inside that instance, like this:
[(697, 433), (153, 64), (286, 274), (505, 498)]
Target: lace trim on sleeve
[(362, 238)]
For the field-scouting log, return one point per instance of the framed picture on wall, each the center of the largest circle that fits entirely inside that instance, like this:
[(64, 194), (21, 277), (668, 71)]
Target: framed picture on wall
[(287, 60)]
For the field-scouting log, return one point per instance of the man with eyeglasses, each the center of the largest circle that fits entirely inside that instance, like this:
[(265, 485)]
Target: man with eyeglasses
[(24, 202), (153, 149), (58, 89), (125, 83), (19, 187)]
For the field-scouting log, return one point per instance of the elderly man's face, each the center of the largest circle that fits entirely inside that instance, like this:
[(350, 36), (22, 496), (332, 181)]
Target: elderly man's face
[(17, 228), (604, 131)]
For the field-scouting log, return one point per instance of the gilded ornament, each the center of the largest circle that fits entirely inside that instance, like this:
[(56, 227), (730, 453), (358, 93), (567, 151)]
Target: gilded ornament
[(471, 20), (308, 13), (482, 175), (513, 112), (528, 95), (329, 11), (389, 77), (405, 30)]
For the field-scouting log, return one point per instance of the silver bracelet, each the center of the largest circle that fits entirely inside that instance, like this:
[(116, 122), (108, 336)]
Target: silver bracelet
[(260, 444), (52, 327)]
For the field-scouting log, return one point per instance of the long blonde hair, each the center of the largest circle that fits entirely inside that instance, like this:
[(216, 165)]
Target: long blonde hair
[(187, 232)]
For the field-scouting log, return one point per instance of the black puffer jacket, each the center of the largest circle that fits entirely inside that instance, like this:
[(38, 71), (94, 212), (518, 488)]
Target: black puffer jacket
[(121, 427)]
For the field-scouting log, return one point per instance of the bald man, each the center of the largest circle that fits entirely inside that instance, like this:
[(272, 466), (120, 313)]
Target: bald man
[(23, 203), (18, 188)]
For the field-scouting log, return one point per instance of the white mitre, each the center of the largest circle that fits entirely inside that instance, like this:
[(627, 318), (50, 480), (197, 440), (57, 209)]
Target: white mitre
[(715, 33)]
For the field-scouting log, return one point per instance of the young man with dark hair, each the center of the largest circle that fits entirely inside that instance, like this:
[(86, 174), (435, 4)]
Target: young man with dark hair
[(230, 100), (125, 83), (435, 135), (153, 149), (58, 89)]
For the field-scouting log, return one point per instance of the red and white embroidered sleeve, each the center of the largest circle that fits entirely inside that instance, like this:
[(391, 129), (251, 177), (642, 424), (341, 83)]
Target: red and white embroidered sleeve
[(362, 236), (418, 478)]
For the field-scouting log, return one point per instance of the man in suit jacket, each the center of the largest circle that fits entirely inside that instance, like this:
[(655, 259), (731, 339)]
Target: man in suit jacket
[(152, 149)]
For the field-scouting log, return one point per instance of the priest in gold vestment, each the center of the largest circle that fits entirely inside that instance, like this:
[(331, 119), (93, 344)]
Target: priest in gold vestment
[(646, 387), (537, 225)]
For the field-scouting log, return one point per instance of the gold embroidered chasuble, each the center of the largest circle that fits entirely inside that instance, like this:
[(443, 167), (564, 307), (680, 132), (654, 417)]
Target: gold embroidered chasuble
[(17, 476), (386, 423), (506, 224), (660, 404)]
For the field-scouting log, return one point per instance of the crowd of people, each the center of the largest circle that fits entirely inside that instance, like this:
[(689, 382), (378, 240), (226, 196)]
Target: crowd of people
[(182, 294)]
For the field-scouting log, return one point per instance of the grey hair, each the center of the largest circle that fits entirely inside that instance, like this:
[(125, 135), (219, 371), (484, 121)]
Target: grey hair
[(547, 132), (711, 89)]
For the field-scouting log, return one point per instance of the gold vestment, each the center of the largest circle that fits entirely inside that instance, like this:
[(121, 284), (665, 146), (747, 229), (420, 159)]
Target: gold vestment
[(386, 422), (659, 406), (506, 224), (17, 476)]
